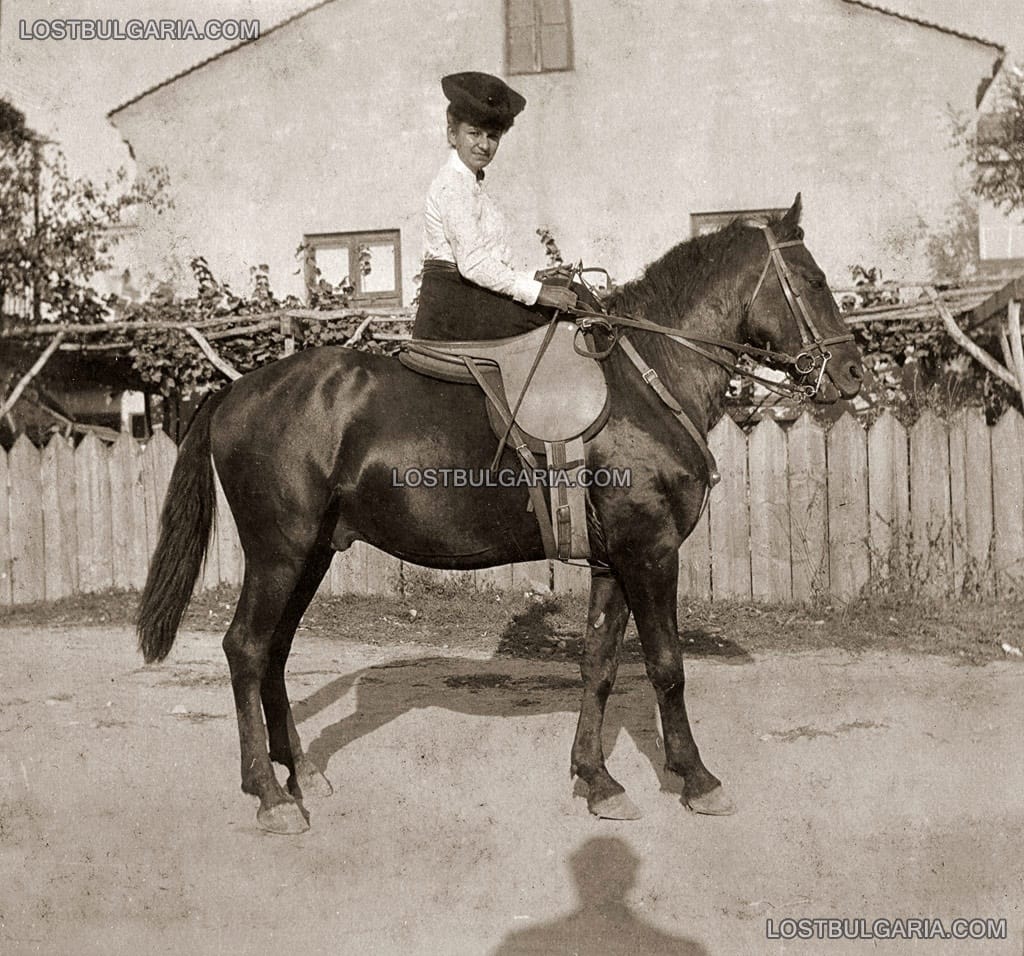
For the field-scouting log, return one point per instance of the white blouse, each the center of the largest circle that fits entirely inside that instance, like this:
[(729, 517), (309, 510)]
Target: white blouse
[(464, 226)]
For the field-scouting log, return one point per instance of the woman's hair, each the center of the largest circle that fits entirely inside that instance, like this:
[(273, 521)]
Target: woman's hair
[(456, 116)]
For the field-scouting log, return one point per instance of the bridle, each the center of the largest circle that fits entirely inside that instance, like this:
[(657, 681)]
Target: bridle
[(815, 353)]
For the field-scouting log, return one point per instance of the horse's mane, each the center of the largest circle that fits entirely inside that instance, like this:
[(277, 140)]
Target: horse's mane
[(670, 285), (673, 290)]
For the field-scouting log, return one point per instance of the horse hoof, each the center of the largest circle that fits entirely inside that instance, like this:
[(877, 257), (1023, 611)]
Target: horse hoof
[(309, 782), (617, 807), (285, 818), (714, 803), (315, 784)]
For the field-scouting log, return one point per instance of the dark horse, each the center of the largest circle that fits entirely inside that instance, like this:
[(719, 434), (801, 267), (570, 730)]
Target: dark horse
[(306, 449)]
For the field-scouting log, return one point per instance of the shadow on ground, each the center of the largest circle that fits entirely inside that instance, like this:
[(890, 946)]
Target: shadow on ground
[(535, 634), (604, 924), (487, 688)]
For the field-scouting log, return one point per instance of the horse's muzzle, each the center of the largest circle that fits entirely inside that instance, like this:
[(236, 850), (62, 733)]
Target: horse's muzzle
[(843, 378), (847, 375)]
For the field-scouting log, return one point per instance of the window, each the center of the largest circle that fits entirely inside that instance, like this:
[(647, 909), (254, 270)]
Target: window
[(701, 223), (538, 36), (1000, 235), (369, 263)]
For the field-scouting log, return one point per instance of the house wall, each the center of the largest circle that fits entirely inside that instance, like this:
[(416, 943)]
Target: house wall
[(336, 123)]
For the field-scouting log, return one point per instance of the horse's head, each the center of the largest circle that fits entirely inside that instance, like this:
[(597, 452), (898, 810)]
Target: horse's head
[(790, 311)]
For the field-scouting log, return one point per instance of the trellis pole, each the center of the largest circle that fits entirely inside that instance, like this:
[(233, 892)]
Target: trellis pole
[(36, 368), (968, 345)]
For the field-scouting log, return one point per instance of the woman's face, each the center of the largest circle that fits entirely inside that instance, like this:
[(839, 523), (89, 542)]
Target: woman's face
[(476, 146)]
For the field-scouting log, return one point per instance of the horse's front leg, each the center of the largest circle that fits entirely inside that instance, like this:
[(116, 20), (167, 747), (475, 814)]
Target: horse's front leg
[(651, 591), (606, 625)]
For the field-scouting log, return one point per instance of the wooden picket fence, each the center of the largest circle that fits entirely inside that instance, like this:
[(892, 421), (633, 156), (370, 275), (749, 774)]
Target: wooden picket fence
[(800, 513)]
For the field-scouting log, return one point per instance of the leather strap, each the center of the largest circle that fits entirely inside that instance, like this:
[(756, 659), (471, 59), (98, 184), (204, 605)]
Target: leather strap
[(650, 376), (588, 320), (568, 499), (526, 384), (540, 507)]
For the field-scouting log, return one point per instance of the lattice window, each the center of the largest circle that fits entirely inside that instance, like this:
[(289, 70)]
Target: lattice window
[(368, 262)]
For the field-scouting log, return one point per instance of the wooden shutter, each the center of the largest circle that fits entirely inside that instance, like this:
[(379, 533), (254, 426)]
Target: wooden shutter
[(555, 43), (521, 26)]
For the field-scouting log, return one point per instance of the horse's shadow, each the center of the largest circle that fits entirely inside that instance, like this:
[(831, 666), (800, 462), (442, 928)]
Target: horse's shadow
[(509, 684)]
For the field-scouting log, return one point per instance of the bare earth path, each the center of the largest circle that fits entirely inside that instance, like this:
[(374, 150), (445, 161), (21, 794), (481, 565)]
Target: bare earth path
[(871, 786)]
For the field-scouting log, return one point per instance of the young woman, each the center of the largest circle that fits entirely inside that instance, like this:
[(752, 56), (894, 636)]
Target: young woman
[(469, 288)]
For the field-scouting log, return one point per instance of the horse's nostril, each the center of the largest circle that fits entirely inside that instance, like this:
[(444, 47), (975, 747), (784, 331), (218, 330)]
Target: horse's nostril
[(855, 371)]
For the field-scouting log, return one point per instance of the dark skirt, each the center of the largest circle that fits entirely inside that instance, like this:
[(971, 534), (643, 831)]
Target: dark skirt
[(451, 307)]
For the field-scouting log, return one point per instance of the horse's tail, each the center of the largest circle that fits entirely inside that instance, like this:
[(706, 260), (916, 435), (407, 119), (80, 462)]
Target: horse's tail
[(185, 524)]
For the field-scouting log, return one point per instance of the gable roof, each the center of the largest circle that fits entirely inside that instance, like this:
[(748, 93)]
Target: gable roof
[(986, 81), (928, 24), (216, 56)]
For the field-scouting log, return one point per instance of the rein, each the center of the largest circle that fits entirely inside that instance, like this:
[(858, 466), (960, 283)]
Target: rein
[(611, 324), (815, 353)]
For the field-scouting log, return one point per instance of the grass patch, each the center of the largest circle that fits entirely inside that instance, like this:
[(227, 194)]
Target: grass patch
[(530, 626)]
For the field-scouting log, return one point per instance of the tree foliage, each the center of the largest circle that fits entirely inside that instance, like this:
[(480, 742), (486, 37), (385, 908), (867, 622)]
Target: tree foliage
[(994, 146), (913, 364), (57, 230)]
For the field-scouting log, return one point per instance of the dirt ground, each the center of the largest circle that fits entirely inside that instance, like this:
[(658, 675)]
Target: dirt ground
[(871, 785)]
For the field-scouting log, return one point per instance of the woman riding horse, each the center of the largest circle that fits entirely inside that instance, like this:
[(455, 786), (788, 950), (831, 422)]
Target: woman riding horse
[(470, 289), (306, 449)]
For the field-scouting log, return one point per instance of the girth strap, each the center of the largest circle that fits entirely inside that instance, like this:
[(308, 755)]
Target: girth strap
[(568, 498)]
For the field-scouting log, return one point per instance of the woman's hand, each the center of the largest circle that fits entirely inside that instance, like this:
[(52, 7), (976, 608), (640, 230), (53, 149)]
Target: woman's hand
[(557, 297)]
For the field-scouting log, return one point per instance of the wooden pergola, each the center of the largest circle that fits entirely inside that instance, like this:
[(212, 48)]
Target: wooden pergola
[(963, 307), (109, 343)]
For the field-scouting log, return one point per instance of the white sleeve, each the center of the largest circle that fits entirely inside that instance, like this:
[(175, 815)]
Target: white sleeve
[(475, 255)]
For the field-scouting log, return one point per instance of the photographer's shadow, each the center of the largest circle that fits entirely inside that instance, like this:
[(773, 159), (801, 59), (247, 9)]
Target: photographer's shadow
[(604, 924)]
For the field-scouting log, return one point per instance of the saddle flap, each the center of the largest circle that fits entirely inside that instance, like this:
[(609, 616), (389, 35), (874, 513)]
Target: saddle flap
[(565, 397), (567, 393)]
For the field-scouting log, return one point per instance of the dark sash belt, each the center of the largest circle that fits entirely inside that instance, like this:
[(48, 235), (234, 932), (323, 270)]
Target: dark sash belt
[(438, 265)]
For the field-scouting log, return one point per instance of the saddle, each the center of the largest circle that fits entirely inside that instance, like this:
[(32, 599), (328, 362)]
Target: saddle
[(566, 397), (543, 397)]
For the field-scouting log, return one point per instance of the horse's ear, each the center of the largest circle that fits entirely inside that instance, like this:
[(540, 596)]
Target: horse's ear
[(790, 225)]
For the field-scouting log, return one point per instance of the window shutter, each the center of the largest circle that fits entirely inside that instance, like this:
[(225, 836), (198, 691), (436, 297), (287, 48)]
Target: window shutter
[(555, 49), (521, 26)]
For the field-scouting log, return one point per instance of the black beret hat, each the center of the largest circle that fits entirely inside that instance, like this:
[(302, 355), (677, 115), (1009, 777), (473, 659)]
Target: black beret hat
[(482, 99)]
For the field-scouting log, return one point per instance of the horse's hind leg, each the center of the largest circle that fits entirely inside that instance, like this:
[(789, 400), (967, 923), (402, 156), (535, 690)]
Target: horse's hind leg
[(266, 591), (606, 625), (304, 779)]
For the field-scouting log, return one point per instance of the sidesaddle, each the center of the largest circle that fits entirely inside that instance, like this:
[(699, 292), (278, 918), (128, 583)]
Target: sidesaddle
[(545, 399)]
